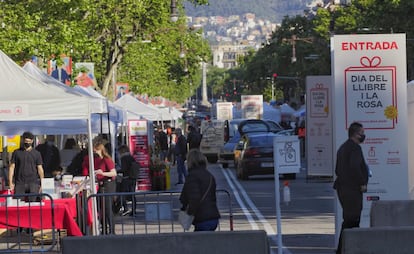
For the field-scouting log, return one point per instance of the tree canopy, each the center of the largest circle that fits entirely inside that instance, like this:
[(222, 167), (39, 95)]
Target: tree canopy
[(111, 34)]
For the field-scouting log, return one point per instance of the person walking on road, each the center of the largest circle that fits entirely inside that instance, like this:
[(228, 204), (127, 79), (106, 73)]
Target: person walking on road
[(193, 138), (181, 154), (351, 178), (198, 195), (26, 170)]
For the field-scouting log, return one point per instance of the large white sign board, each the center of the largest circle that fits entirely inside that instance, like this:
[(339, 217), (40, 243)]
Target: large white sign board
[(370, 88), (319, 126), (252, 106)]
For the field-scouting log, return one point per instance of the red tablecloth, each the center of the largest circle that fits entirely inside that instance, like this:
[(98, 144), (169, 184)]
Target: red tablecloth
[(40, 216)]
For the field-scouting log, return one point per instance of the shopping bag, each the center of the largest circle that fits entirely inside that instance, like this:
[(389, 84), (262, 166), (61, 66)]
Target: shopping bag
[(185, 219)]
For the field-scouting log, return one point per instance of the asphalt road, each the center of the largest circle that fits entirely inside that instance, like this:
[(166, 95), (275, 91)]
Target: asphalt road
[(307, 221)]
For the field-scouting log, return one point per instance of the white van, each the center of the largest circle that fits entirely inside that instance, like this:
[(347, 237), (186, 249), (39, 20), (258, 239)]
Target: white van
[(213, 138)]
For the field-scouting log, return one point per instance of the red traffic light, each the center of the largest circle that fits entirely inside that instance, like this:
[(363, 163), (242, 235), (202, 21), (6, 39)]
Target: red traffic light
[(274, 75)]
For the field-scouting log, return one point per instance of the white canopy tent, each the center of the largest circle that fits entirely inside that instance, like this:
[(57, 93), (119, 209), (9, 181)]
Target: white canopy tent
[(271, 113), (131, 104), (25, 100)]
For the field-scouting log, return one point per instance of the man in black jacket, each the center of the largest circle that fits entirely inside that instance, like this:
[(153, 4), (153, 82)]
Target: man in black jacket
[(352, 178)]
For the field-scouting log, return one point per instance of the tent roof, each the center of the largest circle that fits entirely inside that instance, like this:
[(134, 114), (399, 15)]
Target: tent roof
[(131, 104), (25, 98)]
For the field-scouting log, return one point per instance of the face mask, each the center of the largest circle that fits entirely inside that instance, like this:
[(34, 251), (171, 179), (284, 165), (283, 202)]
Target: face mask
[(50, 143), (361, 138), (27, 145)]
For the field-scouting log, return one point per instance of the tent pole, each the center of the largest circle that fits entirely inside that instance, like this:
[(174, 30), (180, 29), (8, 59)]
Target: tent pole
[(95, 224)]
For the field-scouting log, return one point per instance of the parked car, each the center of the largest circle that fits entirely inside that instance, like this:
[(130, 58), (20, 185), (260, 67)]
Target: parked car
[(254, 155), (226, 154), (234, 129)]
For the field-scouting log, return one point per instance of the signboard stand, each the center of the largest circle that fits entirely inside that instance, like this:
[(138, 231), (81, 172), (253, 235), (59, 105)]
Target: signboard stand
[(369, 73), (319, 127), (139, 148), (286, 154)]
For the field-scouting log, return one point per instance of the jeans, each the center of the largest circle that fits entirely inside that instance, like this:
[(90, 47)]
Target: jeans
[(182, 171), (208, 225), (163, 155)]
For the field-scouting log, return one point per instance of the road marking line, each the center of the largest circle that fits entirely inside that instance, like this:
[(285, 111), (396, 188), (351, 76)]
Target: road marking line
[(267, 226), (245, 210)]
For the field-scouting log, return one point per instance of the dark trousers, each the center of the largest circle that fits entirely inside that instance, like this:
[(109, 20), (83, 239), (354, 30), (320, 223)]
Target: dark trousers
[(106, 214), (128, 185), (351, 202), (24, 188)]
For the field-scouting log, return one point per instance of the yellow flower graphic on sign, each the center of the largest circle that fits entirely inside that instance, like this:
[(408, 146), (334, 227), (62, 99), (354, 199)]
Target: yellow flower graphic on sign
[(326, 109), (391, 112)]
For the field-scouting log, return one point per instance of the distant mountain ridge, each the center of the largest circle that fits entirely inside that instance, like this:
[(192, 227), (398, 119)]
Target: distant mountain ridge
[(273, 10)]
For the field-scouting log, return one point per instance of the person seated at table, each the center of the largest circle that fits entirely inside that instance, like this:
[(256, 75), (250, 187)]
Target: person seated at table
[(50, 156), (26, 169), (105, 174)]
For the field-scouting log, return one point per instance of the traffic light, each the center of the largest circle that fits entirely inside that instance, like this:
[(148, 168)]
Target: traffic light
[(274, 75)]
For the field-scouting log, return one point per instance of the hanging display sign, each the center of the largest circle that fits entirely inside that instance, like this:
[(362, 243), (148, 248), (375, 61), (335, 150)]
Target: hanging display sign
[(370, 80)]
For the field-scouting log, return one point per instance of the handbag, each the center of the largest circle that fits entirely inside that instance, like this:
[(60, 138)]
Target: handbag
[(186, 219)]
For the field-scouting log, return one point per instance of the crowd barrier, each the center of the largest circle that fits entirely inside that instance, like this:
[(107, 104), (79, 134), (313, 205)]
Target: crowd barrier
[(391, 231), (153, 212), (229, 242), (41, 226), (30, 226)]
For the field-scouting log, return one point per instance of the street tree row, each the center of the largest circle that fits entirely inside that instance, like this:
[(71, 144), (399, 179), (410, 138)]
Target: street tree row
[(301, 47)]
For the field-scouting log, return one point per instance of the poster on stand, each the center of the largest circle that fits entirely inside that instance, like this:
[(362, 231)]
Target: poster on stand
[(140, 150), (318, 139), (370, 80)]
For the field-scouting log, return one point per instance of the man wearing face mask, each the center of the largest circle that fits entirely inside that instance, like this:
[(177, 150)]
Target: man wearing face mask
[(26, 170), (351, 178), (50, 156)]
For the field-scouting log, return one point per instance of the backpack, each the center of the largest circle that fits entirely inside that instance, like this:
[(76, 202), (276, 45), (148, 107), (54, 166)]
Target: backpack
[(134, 170)]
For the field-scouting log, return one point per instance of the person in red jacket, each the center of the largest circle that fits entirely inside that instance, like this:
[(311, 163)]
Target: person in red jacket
[(105, 174)]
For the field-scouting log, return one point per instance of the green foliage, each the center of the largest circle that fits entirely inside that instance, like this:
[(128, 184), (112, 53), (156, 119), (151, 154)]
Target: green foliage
[(313, 39), (106, 33)]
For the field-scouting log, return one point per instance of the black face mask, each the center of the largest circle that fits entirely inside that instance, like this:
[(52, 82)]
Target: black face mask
[(27, 145), (361, 138)]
